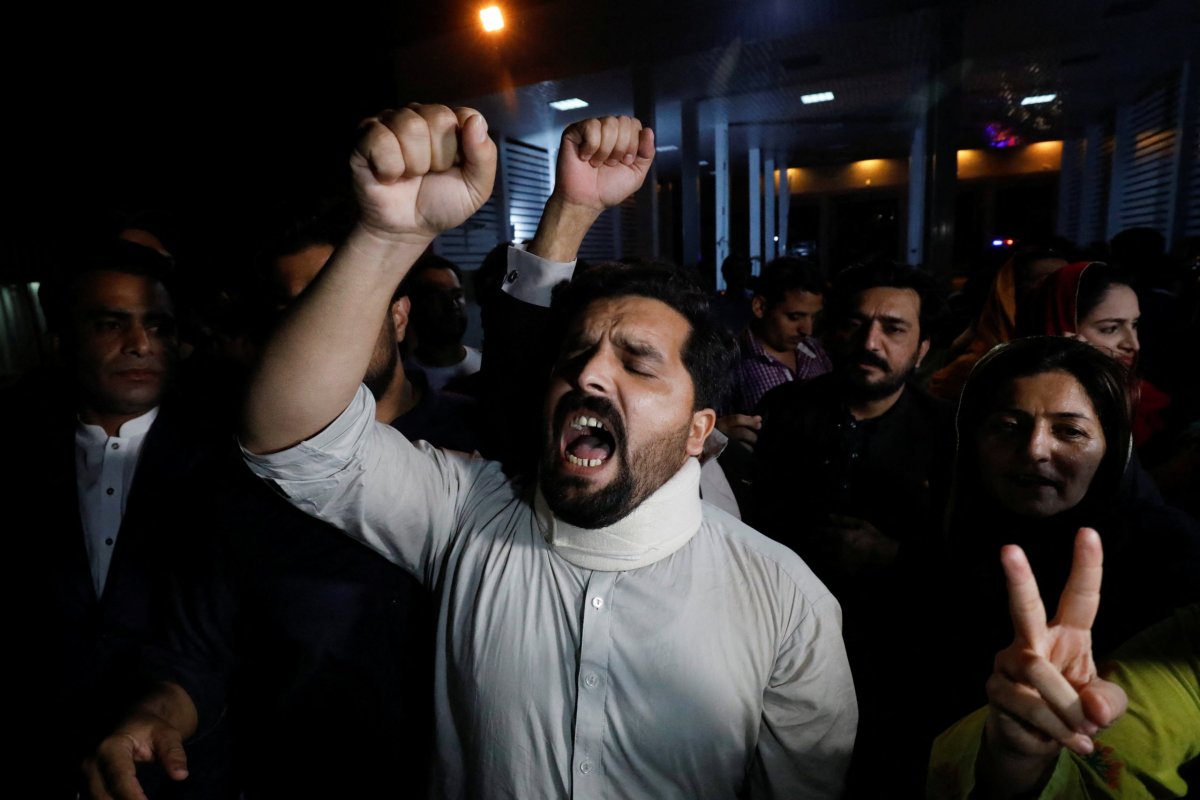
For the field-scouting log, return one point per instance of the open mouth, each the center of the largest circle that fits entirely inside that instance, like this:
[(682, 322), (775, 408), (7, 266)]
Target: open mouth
[(587, 442)]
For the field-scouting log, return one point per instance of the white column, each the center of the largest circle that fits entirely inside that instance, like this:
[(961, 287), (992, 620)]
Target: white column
[(915, 253), (785, 203), (1123, 150), (756, 248), (689, 182), (721, 168), (769, 251), (645, 108)]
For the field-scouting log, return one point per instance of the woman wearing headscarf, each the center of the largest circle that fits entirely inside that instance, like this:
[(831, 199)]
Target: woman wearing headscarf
[(1043, 445), (1095, 302), (997, 320)]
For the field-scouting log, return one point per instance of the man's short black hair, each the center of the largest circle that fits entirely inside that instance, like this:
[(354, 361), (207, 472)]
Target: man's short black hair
[(429, 261), (788, 274), (59, 296), (857, 279), (303, 223), (708, 352)]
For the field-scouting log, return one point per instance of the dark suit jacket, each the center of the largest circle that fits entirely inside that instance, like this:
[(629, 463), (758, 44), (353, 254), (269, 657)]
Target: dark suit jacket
[(80, 657), (315, 651)]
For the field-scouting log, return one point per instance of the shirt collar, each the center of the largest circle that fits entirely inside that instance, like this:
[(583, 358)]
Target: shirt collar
[(663, 523), (95, 434), (755, 348)]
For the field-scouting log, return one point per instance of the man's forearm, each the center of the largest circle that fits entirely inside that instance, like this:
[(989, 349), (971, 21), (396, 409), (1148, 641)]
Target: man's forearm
[(561, 230), (314, 363)]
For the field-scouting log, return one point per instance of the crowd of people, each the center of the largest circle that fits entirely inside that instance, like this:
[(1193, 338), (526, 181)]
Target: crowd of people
[(295, 538)]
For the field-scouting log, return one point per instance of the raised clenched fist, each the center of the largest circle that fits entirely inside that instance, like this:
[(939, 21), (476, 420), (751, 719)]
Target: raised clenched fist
[(421, 170)]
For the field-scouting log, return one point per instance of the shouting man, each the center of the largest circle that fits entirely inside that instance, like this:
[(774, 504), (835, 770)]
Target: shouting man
[(601, 630)]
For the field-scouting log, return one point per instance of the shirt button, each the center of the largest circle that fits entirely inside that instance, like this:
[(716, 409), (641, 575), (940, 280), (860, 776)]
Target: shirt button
[(591, 681), (511, 277), (109, 490), (597, 603), (116, 446), (585, 766), (108, 542)]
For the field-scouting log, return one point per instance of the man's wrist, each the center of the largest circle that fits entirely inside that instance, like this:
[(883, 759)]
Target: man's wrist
[(386, 253), (370, 235), (562, 229)]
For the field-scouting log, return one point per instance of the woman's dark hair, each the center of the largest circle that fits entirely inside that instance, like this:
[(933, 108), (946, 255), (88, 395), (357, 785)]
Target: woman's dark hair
[(1094, 284), (708, 352), (1101, 377)]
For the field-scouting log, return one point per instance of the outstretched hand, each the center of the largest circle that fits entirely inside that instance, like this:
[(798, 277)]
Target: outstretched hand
[(1045, 692), (111, 772), (421, 170), (603, 161)]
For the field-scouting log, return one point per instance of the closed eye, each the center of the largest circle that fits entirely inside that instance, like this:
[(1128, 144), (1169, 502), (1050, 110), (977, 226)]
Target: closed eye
[(638, 368)]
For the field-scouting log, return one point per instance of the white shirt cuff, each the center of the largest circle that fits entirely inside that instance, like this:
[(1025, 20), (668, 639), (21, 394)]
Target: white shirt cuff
[(531, 278)]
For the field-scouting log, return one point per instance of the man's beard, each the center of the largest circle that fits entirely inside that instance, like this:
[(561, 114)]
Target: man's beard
[(863, 390), (625, 492), (382, 367)]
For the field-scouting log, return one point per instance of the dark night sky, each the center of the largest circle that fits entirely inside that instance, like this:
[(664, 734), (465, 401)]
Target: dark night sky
[(210, 113), (211, 118)]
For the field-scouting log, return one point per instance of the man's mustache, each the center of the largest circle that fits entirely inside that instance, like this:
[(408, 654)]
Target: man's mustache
[(869, 358)]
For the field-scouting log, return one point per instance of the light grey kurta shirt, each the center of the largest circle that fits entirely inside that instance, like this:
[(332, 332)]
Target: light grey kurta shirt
[(716, 671)]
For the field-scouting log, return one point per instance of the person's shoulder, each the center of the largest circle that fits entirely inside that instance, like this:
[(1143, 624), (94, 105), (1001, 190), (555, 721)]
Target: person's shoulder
[(799, 394), (751, 551), (922, 398), (484, 480), (182, 436), (1168, 526), (934, 411)]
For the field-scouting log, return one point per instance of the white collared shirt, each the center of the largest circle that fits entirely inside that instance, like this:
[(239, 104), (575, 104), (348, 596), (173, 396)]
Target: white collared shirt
[(713, 668), (104, 469)]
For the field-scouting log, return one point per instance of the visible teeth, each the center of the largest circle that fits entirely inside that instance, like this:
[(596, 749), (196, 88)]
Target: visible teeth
[(584, 462), (586, 422)]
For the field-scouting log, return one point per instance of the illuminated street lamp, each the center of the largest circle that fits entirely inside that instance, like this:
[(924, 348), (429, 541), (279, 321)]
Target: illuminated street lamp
[(491, 18)]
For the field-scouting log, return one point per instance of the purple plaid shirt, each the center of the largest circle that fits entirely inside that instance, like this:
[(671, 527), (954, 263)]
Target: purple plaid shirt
[(756, 373)]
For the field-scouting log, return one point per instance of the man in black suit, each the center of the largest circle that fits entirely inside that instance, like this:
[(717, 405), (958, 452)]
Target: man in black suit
[(104, 465)]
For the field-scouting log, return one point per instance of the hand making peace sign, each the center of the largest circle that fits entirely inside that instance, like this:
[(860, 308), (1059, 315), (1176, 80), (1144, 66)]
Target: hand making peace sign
[(1045, 692)]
